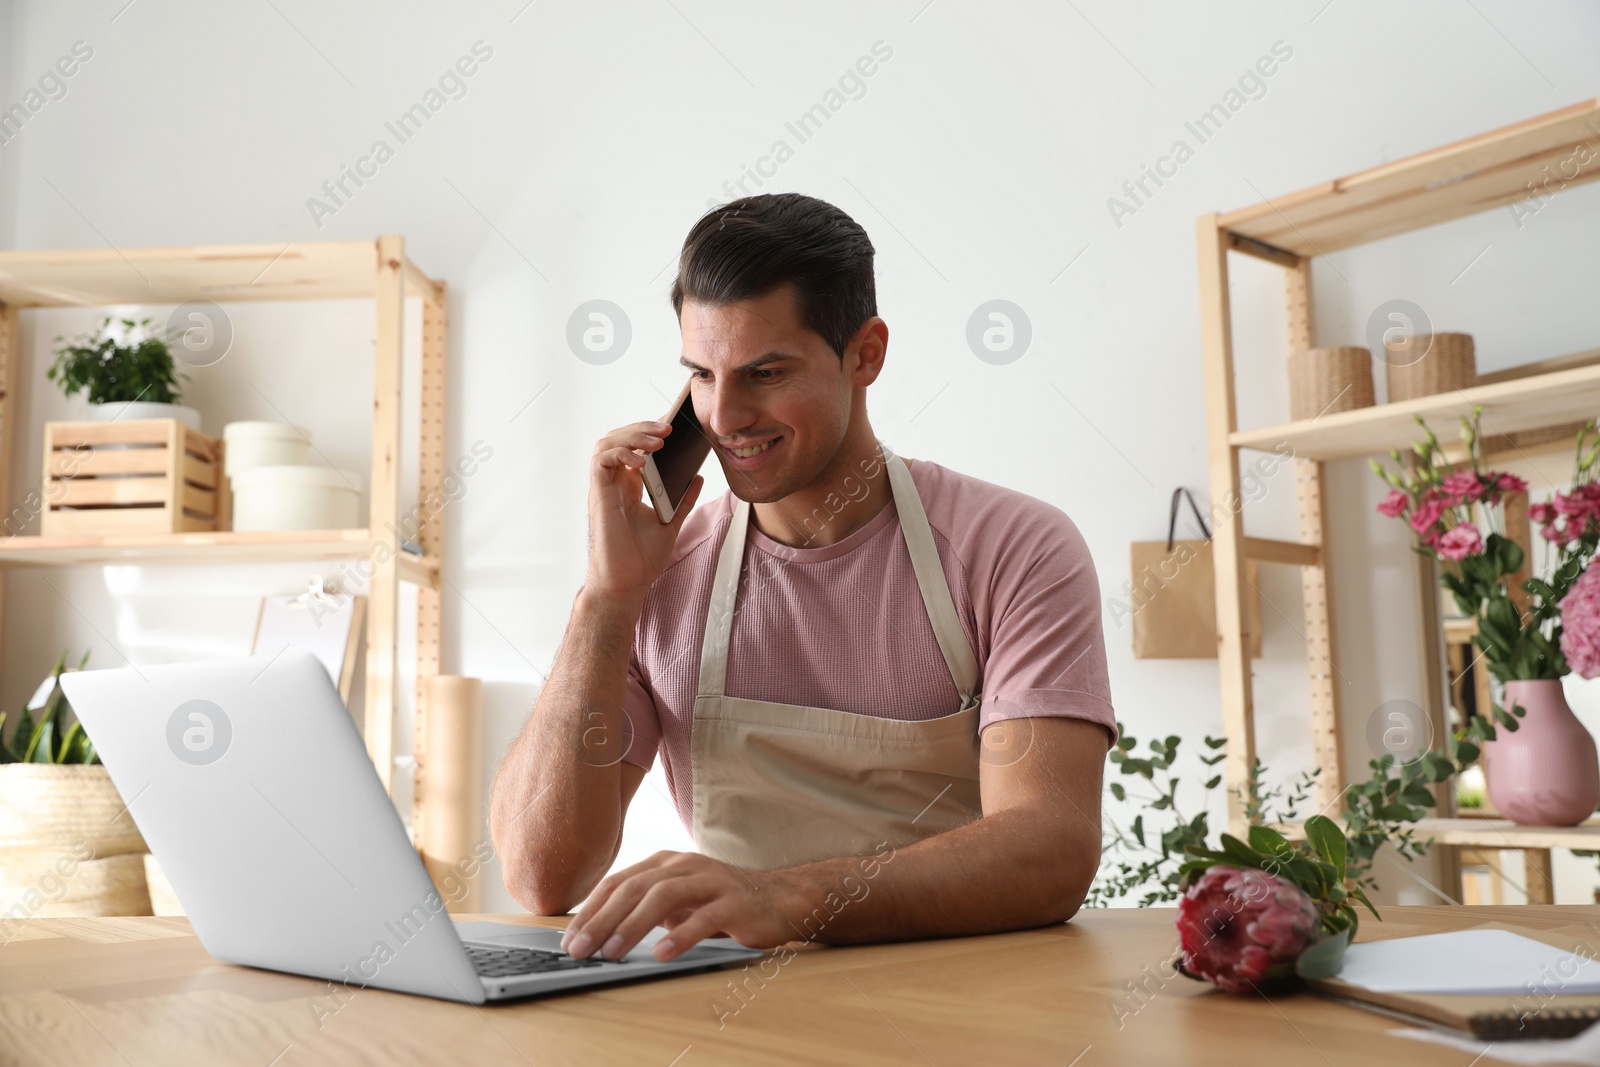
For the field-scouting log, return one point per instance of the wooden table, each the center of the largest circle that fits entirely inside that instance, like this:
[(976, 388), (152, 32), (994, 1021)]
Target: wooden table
[(142, 991)]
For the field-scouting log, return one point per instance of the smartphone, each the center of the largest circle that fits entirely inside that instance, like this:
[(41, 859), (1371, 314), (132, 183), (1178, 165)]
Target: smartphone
[(669, 469)]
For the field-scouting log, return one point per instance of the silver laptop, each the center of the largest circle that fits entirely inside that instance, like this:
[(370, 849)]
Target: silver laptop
[(251, 784)]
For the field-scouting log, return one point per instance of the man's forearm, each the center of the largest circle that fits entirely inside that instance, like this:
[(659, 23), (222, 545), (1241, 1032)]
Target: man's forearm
[(1002, 872), (556, 811)]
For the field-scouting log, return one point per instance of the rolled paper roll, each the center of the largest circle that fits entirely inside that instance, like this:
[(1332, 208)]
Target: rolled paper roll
[(452, 789)]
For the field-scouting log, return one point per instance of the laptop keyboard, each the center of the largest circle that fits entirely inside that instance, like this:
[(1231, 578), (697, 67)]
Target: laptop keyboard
[(503, 962)]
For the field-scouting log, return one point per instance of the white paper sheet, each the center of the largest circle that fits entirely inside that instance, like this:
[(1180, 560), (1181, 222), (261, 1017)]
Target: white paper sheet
[(1468, 961)]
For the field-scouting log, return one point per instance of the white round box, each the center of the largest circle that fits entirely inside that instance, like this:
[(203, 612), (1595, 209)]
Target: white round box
[(263, 444), (293, 497)]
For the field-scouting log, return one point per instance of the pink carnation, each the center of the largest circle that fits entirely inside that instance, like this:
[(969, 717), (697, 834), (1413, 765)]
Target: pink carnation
[(1393, 504), (1510, 483), (1580, 624), (1541, 513), (1460, 541), (1242, 926)]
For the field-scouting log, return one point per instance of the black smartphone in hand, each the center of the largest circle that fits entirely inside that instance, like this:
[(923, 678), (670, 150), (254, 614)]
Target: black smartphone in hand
[(669, 469)]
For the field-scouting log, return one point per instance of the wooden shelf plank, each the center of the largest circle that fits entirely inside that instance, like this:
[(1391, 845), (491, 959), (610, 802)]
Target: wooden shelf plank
[(1491, 833), (1554, 398), (233, 546), (1295, 553), (320, 270), (1536, 157)]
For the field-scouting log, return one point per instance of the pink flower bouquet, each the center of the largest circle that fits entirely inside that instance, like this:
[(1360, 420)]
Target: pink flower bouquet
[(1457, 516)]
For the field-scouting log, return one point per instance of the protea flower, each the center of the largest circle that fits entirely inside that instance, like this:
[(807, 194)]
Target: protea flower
[(1241, 927)]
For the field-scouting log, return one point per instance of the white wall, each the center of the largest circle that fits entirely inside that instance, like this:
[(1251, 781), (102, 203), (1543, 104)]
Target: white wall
[(980, 157)]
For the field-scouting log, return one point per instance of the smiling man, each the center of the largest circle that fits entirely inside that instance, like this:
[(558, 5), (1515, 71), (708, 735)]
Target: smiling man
[(878, 686)]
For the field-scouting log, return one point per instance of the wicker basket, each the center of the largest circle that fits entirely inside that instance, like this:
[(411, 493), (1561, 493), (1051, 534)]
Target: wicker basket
[(68, 846), (59, 807), (1428, 363), (1325, 380), (40, 883)]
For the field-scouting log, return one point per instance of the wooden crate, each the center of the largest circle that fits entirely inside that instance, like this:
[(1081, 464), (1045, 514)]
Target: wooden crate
[(131, 476)]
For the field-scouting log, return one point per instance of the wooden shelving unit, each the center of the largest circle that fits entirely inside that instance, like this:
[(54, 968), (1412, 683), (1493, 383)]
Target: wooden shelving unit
[(1528, 407), (343, 270)]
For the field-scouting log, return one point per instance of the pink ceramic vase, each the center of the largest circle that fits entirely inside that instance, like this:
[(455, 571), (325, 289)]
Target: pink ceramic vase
[(1544, 773)]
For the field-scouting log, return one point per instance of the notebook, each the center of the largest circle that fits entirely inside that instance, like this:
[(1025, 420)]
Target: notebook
[(1496, 981)]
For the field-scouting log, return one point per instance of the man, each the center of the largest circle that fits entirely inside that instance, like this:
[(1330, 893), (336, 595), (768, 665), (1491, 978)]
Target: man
[(807, 652)]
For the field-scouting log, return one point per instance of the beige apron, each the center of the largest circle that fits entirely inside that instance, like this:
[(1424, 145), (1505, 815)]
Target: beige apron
[(780, 784)]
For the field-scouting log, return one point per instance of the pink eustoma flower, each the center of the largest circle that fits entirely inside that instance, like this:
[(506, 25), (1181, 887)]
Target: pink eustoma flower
[(1462, 487), (1242, 927), (1576, 503), (1426, 514), (1393, 504), (1460, 541), (1510, 483)]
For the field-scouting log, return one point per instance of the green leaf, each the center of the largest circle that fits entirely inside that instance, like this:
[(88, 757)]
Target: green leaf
[(1118, 792), (1241, 852), (42, 747), (1211, 783), (1325, 959), (1324, 835), (1361, 895), (1138, 828), (1267, 840), (22, 736), (69, 744)]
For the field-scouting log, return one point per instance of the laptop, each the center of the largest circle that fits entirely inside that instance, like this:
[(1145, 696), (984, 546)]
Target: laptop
[(253, 788)]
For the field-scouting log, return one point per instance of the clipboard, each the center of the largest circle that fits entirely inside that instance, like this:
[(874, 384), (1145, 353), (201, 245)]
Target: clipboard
[(1485, 1016), (326, 623)]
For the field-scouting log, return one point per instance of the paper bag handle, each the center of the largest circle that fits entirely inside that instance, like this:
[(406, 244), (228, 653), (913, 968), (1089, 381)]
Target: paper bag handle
[(1172, 520)]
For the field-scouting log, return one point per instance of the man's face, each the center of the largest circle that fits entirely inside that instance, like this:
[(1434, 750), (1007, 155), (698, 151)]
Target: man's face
[(773, 397)]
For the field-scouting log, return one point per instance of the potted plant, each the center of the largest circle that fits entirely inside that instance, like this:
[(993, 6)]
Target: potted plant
[(1539, 760), (126, 372), (67, 843)]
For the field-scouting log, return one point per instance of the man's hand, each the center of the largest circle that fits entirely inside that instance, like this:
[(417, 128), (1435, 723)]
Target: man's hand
[(628, 544), (693, 896)]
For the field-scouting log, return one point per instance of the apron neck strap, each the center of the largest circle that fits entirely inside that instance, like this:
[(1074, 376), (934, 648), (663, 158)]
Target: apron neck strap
[(936, 598)]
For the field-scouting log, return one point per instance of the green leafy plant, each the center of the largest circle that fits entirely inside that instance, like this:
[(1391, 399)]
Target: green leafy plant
[(1382, 809), (1152, 856), (113, 369), (1151, 852), (1137, 862), (48, 737)]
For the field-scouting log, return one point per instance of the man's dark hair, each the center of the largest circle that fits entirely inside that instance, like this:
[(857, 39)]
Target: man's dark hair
[(754, 245)]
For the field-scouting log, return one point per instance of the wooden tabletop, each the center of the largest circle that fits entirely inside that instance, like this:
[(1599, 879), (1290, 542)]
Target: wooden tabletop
[(142, 991)]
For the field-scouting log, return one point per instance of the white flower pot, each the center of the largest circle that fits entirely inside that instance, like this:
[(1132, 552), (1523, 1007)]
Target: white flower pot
[(120, 410)]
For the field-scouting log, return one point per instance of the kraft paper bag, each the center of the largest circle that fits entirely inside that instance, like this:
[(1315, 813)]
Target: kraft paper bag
[(1173, 595)]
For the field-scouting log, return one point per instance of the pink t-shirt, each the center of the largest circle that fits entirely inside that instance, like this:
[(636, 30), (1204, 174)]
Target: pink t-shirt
[(844, 626)]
